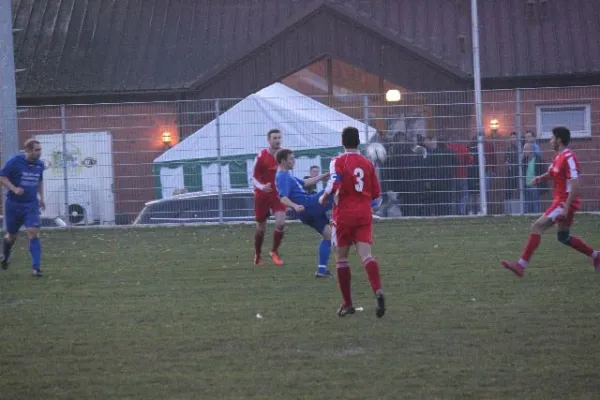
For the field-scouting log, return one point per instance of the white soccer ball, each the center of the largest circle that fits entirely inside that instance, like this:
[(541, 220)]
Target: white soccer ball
[(376, 152)]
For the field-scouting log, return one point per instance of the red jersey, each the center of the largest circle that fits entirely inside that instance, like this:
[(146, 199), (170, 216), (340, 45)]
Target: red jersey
[(564, 168), (464, 158), (265, 168), (355, 185)]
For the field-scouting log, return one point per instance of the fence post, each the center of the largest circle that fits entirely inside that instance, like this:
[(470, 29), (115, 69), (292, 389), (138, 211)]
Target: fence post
[(219, 173), (366, 116), (63, 128), (519, 151), (478, 107), (8, 101)]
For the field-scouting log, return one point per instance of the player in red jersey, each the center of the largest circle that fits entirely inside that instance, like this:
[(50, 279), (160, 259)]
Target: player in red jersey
[(565, 172), (355, 187), (266, 199)]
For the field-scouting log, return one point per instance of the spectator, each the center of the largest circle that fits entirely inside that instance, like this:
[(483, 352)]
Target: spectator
[(530, 137), (512, 167), (313, 172), (460, 185), (532, 167)]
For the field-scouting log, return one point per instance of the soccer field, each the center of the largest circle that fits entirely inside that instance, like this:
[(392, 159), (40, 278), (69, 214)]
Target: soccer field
[(172, 313)]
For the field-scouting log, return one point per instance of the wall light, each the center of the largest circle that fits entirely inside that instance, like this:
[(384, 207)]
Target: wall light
[(166, 138), (393, 95), (494, 125)]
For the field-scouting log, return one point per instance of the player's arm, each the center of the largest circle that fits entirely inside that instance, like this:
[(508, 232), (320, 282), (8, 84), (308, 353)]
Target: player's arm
[(334, 183), (313, 181), (284, 188), (257, 176), (41, 193), (4, 173), (573, 177)]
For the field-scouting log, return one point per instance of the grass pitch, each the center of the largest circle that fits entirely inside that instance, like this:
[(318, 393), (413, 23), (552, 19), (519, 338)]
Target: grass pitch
[(172, 314)]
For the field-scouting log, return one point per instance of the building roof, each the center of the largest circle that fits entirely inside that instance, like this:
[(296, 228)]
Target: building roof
[(104, 46)]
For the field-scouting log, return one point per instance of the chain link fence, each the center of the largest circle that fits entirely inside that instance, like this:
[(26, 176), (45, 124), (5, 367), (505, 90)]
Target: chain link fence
[(191, 161)]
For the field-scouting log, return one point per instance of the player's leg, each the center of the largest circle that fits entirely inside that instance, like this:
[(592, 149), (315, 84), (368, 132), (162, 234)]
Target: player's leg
[(364, 239), (279, 211), (535, 237), (261, 213), (342, 248), (14, 220), (32, 227), (323, 253), (564, 236)]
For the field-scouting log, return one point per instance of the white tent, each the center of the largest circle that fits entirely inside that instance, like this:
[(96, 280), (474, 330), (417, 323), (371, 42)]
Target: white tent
[(309, 127)]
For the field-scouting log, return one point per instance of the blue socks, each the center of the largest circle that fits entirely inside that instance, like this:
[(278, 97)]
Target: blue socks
[(324, 251), (35, 249)]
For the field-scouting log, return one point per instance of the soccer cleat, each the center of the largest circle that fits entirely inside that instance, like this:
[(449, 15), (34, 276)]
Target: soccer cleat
[(346, 310), (380, 308), (515, 267), (4, 262), (257, 260), (276, 259), (325, 274), (36, 273), (596, 261)]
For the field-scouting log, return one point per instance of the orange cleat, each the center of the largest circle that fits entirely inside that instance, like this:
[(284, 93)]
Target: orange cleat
[(257, 260), (276, 259)]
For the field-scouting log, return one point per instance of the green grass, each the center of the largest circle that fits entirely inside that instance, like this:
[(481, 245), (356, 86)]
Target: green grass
[(171, 314)]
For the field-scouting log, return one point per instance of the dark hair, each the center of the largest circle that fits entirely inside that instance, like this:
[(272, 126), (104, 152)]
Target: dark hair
[(313, 167), (272, 131), (350, 138), (532, 133), (30, 143), (513, 133), (562, 133), (282, 155)]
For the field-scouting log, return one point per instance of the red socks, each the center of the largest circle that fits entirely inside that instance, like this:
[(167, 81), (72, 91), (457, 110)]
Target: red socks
[(344, 279), (259, 237), (277, 238), (581, 246), (372, 268), (532, 244)]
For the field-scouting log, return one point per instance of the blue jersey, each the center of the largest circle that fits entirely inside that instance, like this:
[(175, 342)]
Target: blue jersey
[(293, 188), (24, 174)]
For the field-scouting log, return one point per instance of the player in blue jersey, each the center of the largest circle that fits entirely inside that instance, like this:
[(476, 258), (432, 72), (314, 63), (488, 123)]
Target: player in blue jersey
[(292, 193), (22, 175)]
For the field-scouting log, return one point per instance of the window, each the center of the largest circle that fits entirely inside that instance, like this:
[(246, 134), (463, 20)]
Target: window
[(577, 117)]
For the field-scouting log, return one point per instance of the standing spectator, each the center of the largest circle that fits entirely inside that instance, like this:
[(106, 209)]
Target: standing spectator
[(313, 172), (460, 184), (532, 167), (512, 166), (530, 137)]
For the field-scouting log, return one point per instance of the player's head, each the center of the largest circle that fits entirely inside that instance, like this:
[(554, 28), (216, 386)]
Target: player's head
[(350, 138), (561, 137), (285, 159), (314, 171), (33, 149), (274, 138)]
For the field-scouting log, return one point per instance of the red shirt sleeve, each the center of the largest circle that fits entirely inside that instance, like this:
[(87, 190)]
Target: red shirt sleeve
[(258, 173)]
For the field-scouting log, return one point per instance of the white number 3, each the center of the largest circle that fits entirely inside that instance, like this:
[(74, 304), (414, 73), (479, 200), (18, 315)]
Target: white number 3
[(360, 175)]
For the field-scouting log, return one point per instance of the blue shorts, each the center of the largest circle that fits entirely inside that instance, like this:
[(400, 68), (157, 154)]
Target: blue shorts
[(317, 222), (21, 214)]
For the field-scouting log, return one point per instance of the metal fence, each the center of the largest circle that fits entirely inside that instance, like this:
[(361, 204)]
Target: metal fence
[(191, 161)]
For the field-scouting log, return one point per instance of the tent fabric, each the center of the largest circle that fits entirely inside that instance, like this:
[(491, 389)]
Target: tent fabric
[(309, 127), (306, 124)]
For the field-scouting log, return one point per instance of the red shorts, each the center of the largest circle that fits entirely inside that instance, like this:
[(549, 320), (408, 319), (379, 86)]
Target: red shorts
[(267, 205), (556, 208), (344, 235)]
